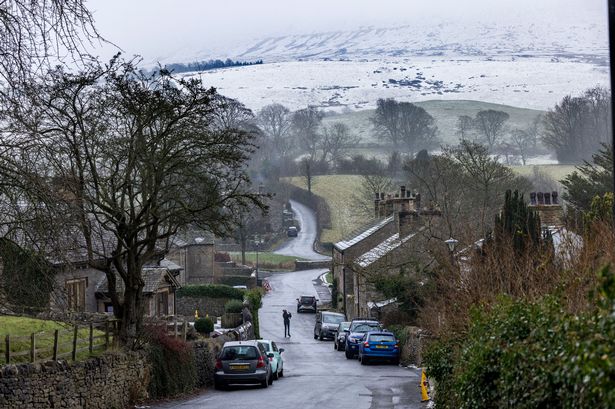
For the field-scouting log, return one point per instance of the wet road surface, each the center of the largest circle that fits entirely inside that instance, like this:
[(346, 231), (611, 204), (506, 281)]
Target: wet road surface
[(302, 245)]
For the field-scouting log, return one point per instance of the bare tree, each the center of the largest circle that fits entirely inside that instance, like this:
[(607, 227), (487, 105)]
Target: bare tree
[(370, 185), (306, 127), (490, 124), (337, 140), (523, 142), (125, 160), (275, 121), (33, 31), (465, 127), (405, 124)]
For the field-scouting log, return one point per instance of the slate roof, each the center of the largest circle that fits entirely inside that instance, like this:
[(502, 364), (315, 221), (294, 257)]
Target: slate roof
[(153, 277), (362, 234), (172, 266), (383, 249), (192, 238)]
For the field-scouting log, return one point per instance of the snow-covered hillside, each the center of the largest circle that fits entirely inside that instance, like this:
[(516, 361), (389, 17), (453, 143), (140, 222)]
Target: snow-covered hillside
[(446, 38), (526, 64)]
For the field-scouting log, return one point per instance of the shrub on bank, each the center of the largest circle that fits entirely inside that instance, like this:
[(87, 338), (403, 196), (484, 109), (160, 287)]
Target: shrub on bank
[(173, 365), (233, 307), (204, 325), (529, 355)]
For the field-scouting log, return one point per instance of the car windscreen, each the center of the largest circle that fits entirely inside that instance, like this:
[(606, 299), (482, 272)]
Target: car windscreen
[(332, 319), (231, 353), (365, 327), (266, 346), (344, 325), (381, 338), (307, 300)]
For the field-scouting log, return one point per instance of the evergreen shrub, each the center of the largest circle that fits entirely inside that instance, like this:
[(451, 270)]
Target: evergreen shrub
[(204, 325)]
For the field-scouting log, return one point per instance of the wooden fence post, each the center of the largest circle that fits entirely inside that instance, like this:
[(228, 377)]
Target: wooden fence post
[(74, 352), (56, 333), (32, 347), (91, 346), (185, 331), (106, 335), (7, 345), (175, 333)]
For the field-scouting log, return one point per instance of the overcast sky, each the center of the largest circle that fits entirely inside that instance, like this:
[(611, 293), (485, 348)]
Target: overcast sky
[(161, 29)]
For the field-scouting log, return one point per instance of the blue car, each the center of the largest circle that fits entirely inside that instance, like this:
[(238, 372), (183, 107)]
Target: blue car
[(356, 332), (379, 345)]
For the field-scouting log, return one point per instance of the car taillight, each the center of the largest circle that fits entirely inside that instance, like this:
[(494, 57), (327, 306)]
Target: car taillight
[(270, 359), (396, 346), (260, 363), (366, 344), (218, 364)]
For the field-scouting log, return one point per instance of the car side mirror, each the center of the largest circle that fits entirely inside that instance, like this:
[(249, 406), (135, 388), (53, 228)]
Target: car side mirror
[(281, 350), (347, 331), (270, 355)]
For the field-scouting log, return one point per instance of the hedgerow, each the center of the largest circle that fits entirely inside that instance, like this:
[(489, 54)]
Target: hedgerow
[(211, 291)]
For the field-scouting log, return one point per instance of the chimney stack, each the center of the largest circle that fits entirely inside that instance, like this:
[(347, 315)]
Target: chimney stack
[(548, 208)]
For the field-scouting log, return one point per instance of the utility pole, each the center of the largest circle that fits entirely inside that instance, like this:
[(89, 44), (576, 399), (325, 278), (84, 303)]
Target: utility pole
[(612, 62)]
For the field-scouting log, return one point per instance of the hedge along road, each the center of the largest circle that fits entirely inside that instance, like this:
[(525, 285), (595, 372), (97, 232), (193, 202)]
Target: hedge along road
[(315, 375)]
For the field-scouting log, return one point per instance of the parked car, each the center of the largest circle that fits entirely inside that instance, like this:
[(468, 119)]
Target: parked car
[(327, 323), (275, 357), (379, 345), (307, 303), (339, 338), (242, 362), (356, 332), (292, 231)]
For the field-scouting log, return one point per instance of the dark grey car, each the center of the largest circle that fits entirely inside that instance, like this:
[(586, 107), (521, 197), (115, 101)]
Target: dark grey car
[(307, 303), (327, 323), (242, 362)]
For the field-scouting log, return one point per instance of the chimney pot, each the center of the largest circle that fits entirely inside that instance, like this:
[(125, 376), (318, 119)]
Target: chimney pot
[(533, 198), (554, 197), (381, 195), (377, 196), (547, 198), (540, 197)]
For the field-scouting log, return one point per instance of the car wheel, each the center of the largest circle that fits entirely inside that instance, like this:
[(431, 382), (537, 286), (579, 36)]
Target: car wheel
[(363, 360), (219, 386), (275, 376), (297, 310), (315, 336), (334, 346), (265, 383), (396, 361), (320, 336), (349, 355), (270, 379), (282, 373)]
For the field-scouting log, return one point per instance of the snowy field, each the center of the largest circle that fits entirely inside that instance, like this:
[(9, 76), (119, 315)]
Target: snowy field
[(528, 82)]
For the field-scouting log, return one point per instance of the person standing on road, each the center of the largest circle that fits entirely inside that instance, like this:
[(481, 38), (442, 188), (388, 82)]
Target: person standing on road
[(287, 316)]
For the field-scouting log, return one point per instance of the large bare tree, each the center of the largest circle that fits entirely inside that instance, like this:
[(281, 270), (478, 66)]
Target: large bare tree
[(490, 124), (121, 161)]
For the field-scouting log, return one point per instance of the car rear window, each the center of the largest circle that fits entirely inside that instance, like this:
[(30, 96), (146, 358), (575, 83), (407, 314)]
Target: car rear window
[(239, 352), (307, 300), (332, 319), (365, 327), (381, 338)]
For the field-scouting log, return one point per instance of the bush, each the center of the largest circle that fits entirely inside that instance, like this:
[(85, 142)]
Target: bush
[(233, 307), (530, 355), (211, 291), (204, 325), (222, 257), (254, 298), (173, 365)]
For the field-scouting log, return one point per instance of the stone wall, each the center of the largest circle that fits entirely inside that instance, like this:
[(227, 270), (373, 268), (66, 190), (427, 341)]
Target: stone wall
[(214, 307), (413, 349), (109, 381)]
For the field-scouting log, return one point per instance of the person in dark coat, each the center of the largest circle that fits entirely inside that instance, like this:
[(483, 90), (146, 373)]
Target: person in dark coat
[(287, 316)]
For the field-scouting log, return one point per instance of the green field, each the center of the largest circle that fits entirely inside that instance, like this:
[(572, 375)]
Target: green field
[(266, 260), (555, 172), (445, 113), (338, 191), (20, 328)]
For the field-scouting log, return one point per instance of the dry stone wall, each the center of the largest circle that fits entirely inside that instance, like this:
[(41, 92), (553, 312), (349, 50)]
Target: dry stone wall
[(109, 381), (214, 307)]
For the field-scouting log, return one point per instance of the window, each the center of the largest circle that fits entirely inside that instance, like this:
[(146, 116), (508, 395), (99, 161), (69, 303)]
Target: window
[(75, 291), (162, 303)]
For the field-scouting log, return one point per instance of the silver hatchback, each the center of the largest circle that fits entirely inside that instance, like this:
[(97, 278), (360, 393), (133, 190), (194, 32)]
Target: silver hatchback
[(242, 362)]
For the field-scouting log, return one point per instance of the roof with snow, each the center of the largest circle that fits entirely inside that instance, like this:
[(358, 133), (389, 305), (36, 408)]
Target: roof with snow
[(383, 249), (362, 234)]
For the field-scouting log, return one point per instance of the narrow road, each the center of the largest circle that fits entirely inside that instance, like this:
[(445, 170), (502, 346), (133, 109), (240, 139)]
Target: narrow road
[(302, 245), (315, 375)]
